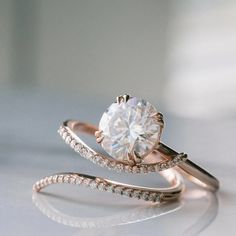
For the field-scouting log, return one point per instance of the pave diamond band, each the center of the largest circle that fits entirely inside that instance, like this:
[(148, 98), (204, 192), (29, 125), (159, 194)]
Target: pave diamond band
[(69, 131), (156, 195)]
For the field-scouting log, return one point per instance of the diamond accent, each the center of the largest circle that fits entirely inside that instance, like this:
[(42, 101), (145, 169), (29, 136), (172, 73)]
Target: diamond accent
[(111, 164), (100, 184)]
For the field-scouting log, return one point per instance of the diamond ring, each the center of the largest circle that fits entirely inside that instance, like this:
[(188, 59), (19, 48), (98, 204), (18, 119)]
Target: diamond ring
[(156, 195), (130, 131), (70, 132)]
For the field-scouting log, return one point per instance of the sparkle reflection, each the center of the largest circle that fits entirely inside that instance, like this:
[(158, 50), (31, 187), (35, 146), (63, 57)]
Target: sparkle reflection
[(135, 214)]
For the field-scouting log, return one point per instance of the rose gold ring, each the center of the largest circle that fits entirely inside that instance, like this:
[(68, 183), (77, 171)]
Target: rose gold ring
[(157, 195), (69, 133), (129, 131)]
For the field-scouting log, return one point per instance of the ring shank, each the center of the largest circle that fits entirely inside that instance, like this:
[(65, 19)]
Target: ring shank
[(133, 191), (192, 171)]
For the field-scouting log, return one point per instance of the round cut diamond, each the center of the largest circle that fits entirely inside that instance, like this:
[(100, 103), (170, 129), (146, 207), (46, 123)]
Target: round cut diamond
[(129, 128)]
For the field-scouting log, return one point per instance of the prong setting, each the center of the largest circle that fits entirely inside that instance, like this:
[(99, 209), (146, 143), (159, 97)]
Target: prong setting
[(137, 158), (122, 98), (131, 129), (159, 117), (99, 136), (131, 160)]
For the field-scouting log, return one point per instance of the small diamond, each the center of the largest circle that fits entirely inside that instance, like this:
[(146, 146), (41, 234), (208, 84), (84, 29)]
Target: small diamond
[(136, 194), (72, 180), (103, 163), (145, 196), (135, 169), (78, 147), (119, 167), (90, 154), (111, 165), (183, 157), (50, 180), (60, 131), (68, 139), (164, 166), (151, 168), (66, 179), (64, 135), (60, 179), (83, 151), (158, 198), (96, 159), (73, 143), (118, 190), (78, 180), (143, 169), (101, 186), (54, 179), (152, 197), (127, 192), (86, 182), (171, 163), (157, 167), (110, 188), (128, 169), (93, 184)]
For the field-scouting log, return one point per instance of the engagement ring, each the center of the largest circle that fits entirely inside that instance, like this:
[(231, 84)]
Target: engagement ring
[(129, 132)]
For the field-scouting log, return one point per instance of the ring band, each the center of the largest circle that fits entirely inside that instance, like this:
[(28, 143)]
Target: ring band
[(70, 132), (71, 129), (146, 193)]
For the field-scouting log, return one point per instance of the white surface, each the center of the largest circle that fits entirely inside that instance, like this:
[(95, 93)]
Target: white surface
[(31, 148)]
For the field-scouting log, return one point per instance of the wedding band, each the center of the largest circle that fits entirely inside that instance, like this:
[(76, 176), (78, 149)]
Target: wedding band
[(157, 195), (129, 131)]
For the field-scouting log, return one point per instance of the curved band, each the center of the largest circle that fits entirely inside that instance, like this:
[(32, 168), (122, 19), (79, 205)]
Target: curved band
[(70, 130), (132, 191)]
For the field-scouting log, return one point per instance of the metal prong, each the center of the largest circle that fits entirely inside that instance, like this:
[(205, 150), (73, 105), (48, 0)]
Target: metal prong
[(122, 98), (99, 136), (137, 158), (131, 159), (159, 118), (98, 133)]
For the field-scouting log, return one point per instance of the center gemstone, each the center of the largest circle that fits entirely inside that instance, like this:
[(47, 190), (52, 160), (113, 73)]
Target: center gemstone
[(129, 127)]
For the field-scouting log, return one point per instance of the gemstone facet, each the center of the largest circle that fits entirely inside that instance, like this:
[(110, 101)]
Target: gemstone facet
[(130, 128)]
